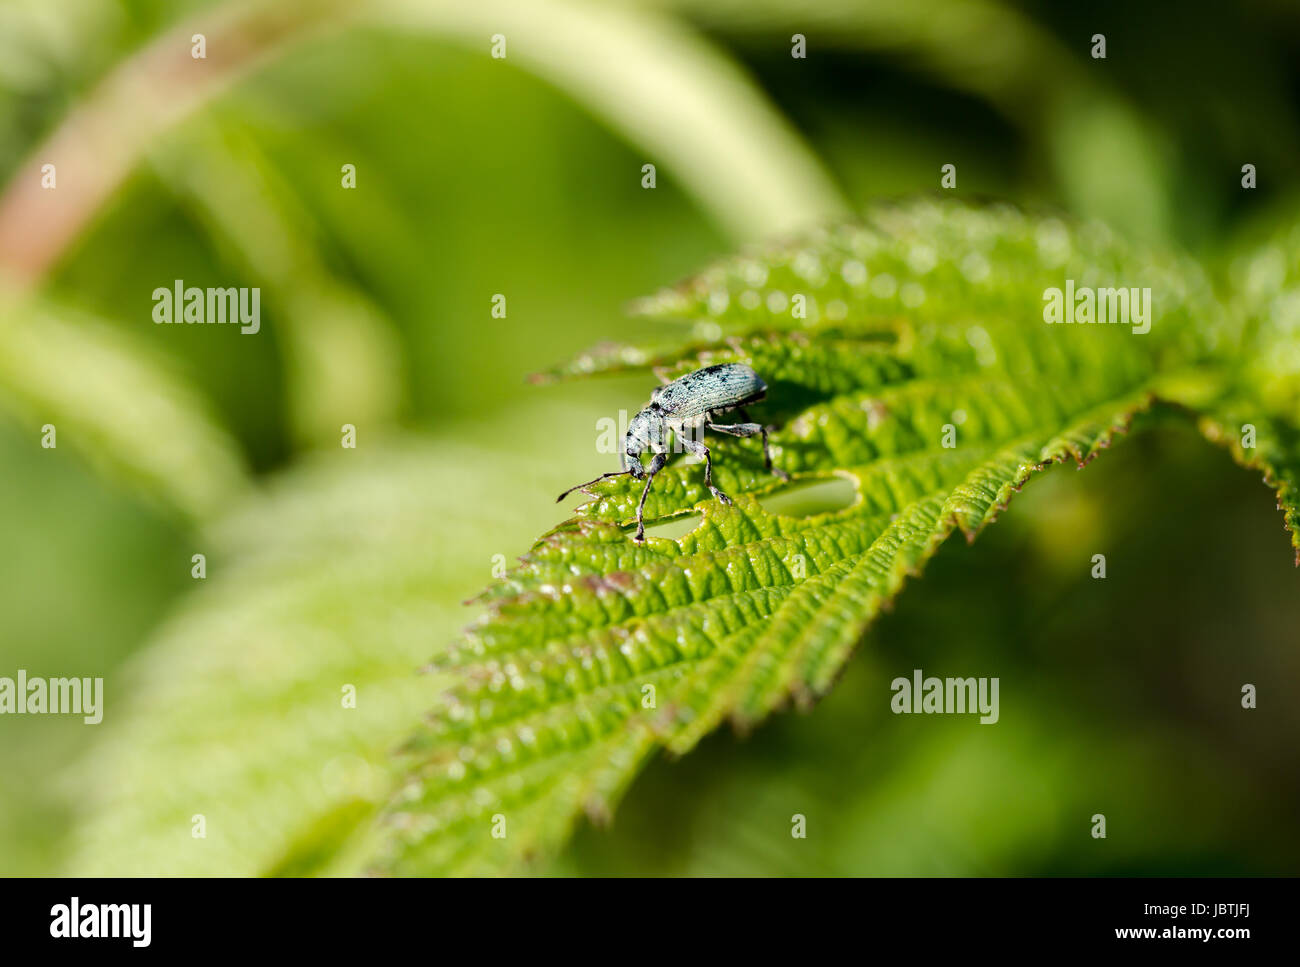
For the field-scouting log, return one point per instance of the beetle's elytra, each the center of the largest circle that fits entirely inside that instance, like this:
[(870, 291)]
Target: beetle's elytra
[(686, 408)]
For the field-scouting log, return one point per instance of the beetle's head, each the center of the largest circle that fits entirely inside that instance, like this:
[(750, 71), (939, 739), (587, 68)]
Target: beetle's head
[(643, 433)]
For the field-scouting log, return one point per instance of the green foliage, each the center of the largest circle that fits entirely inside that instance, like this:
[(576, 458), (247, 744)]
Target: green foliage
[(919, 328), (349, 567), (1263, 385), (236, 711), (922, 322), (112, 400)]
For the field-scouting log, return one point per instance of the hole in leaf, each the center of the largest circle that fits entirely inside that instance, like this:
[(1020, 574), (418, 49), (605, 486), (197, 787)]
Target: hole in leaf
[(819, 497), (674, 528)]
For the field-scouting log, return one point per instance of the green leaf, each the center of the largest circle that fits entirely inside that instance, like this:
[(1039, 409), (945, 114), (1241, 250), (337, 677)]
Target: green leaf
[(342, 572), (341, 354), (733, 153), (1257, 416), (919, 328), (112, 399)]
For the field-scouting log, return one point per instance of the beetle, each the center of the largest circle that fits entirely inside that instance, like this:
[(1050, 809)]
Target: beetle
[(687, 407)]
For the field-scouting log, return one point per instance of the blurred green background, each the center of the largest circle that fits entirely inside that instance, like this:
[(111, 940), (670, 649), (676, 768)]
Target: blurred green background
[(522, 176)]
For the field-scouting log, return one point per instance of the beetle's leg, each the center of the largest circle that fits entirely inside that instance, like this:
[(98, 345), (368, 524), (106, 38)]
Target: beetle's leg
[(747, 430), (656, 464), (767, 459), (737, 429), (700, 450), (767, 449)]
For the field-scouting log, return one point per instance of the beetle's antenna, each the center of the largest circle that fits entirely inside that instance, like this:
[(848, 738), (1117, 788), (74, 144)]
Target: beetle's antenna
[(613, 473)]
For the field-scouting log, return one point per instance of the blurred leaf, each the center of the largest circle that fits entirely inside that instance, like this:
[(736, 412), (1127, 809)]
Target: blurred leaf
[(114, 401), (343, 358), (924, 321), (1275, 451), (1105, 156), (699, 118), (649, 77), (100, 141), (345, 571), (1258, 416)]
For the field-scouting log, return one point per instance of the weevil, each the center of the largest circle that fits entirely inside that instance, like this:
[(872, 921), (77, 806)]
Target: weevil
[(687, 407)]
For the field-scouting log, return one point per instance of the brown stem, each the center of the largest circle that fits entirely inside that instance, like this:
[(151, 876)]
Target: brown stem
[(100, 142)]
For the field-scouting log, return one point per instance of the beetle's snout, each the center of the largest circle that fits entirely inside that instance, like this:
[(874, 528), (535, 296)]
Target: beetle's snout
[(634, 466)]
